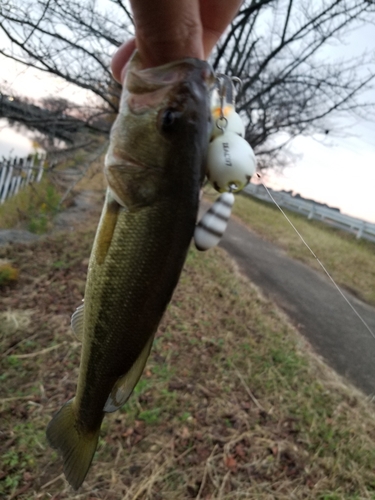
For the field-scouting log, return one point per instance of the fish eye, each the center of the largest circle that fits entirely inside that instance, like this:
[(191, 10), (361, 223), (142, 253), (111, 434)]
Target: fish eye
[(168, 118)]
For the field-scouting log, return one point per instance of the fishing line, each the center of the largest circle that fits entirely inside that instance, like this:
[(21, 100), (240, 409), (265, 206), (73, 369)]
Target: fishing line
[(317, 259)]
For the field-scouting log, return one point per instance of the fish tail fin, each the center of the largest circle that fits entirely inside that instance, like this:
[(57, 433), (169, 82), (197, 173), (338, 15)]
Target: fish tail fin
[(77, 447)]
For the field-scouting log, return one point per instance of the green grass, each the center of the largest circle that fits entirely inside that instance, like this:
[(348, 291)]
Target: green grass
[(351, 262), (33, 208), (232, 403)]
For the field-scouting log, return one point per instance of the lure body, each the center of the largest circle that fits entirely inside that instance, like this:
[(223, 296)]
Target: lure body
[(230, 164), (214, 222)]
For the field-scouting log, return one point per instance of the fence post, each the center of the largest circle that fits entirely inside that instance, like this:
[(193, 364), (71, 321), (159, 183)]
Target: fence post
[(29, 170), (25, 172), (41, 169), (361, 230), (7, 182), (3, 173), (13, 181), (19, 167), (312, 212)]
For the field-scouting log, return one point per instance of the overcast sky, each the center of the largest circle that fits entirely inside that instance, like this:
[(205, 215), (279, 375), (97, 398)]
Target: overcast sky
[(339, 171)]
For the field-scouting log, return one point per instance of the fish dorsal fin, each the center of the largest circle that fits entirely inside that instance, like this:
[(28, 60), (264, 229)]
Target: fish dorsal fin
[(77, 322), (125, 385)]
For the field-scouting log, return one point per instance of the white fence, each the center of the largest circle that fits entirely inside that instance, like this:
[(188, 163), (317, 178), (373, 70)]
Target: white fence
[(15, 174), (311, 210)]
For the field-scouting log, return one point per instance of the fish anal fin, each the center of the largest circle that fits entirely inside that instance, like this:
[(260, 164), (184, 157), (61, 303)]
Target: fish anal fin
[(77, 322), (76, 447), (124, 386)]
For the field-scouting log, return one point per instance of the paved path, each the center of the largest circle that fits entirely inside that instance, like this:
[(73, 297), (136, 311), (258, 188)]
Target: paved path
[(313, 304)]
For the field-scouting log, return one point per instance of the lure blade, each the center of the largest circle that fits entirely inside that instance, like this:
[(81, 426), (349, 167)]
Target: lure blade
[(212, 225)]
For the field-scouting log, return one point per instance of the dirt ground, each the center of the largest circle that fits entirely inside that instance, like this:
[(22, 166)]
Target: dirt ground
[(233, 404)]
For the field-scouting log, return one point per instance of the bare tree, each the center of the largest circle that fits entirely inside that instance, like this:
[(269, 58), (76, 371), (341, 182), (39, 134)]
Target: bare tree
[(54, 117), (73, 40), (275, 47)]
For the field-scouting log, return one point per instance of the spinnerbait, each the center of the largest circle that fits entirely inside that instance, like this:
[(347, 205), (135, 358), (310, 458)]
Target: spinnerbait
[(230, 162)]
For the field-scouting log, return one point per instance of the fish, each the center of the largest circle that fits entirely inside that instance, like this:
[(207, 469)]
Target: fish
[(154, 167)]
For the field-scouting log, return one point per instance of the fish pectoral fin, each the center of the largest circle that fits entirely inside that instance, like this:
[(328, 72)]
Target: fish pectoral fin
[(124, 386), (76, 446), (76, 322)]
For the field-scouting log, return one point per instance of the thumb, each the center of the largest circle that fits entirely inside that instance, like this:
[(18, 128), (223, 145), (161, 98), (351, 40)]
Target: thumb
[(121, 58)]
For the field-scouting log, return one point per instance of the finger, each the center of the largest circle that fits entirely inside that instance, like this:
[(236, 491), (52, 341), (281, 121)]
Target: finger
[(167, 30), (216, 15), (120, 59)]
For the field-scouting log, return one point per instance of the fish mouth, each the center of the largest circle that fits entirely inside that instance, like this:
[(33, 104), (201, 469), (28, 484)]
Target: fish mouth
[(177, 80), (141, 80)]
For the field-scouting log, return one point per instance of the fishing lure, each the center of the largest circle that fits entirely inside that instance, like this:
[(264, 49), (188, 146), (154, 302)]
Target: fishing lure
[(230, 162)]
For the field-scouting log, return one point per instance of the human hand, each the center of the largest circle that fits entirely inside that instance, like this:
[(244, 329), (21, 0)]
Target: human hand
[(168, 30)]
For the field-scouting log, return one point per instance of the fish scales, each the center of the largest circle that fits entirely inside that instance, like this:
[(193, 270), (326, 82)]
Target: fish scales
[(132, 290), (154, 168)]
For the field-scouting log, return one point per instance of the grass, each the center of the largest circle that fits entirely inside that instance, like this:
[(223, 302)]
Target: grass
[(33, 208), (350, 261), (8, 274), (232, 403)]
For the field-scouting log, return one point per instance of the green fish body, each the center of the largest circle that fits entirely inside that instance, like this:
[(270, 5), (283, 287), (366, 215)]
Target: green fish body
[(154, 168)]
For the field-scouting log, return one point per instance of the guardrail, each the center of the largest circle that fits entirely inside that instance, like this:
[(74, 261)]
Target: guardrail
[(312, 210), (16, 173)]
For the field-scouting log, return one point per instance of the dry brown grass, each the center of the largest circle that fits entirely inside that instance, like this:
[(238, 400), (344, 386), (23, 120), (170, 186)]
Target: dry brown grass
[(232, 404), (93, 180)]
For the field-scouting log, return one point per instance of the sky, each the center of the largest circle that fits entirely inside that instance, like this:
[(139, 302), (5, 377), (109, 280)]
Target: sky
[(38, 84), (339, 171)]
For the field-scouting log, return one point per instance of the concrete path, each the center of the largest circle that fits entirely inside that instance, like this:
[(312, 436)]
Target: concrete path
[(313, 304), (16, 236)]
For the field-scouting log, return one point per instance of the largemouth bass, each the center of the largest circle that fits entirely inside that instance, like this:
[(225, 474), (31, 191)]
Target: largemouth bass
[(154, 169)]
